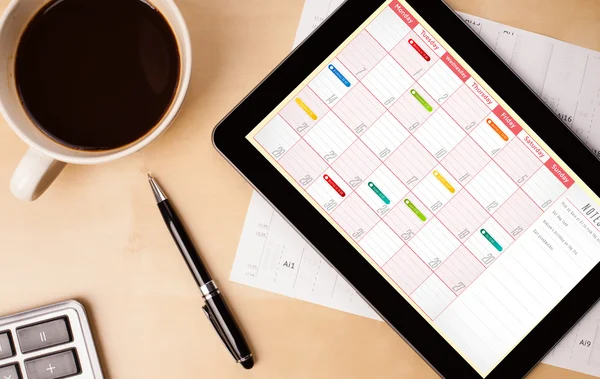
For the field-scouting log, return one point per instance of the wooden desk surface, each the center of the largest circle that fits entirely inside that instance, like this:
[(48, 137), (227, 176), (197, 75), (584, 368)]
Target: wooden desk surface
[(97, 236)]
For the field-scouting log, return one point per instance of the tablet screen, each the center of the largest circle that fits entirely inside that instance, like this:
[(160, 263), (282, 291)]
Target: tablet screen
[(419, 164)]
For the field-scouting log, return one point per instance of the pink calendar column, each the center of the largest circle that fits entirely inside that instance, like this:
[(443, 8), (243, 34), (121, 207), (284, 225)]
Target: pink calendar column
[(518, 213), (404, 14), (463, 215), (362, 54), (407, 270), (460, 270), (466, 109), (304, 111), (356, 164), (518, 162), (355, 217), (333, 82), (303, 164), (411, 162), (559, 173), (414, 55), (277, 137), (359, 109), (507, 120)]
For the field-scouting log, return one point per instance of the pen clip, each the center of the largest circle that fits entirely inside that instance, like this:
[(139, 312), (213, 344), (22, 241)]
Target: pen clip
[(221, 334)]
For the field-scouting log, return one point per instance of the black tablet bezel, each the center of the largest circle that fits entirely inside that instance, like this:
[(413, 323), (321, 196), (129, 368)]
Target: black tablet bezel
[(229, 138)]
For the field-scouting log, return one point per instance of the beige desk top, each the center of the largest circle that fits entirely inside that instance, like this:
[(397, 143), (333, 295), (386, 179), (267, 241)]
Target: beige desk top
[(97, 236)]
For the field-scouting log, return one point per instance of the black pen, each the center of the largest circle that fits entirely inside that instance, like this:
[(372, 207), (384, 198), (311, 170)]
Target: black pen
[(214, 306)]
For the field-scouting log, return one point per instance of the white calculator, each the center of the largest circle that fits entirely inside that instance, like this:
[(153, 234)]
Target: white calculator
[(52, 342)]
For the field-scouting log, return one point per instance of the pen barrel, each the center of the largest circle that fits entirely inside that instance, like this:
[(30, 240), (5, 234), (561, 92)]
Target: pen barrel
[(184, 243), (229, 328)]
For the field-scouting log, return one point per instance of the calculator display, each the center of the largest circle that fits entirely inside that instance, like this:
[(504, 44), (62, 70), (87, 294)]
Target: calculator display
[(431, 176)]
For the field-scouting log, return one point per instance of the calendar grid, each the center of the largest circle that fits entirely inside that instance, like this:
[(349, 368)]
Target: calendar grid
[(371, 228), (383, 163), (359, 141), (395, 60), (356, 102), (412, 193), (446, 284), (419, 142), (416, 81), (519, 185), (330, 110), (465, 189)]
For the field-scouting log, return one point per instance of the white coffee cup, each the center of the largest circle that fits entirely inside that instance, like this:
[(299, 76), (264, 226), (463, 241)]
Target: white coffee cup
[(46, 158)]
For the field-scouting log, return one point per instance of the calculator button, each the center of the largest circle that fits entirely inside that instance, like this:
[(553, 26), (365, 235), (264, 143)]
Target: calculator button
[(9, 372), (54, 366), (5, 347), (44, 335)]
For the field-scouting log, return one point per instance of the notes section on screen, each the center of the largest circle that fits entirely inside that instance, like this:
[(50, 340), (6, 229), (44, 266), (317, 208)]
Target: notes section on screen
[(434, 179)]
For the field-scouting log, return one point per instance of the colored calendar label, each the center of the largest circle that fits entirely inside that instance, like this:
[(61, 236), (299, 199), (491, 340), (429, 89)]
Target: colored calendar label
[(339, 75), (443, 180), (421, 100), (379, 193), (306, 109), (334, 185), (491, 239), (419, 49), (415, 210), (497, 129)]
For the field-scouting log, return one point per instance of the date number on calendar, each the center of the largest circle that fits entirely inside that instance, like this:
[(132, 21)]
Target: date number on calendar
[(564, 117)]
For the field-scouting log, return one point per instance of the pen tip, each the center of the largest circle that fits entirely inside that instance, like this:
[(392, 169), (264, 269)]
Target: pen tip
[(248, 364), (158, 192)]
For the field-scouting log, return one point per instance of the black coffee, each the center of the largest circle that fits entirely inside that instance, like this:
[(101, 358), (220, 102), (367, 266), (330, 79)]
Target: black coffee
[(97, 74)]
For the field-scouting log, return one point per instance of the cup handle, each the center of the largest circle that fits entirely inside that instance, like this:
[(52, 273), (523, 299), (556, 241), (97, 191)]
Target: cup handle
[(34, 174)]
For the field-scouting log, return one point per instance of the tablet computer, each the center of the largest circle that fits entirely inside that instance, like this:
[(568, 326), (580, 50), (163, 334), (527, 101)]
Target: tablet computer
[(446, 193)]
